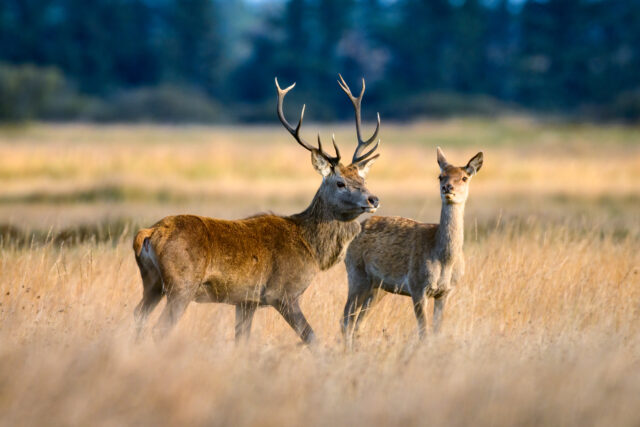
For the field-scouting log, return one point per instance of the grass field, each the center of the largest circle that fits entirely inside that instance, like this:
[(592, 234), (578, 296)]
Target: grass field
[(545, 328)]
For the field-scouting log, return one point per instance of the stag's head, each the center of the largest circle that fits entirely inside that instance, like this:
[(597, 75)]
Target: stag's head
[(454, 180), (343, 187)]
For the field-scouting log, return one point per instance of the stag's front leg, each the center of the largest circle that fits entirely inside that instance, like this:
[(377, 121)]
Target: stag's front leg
[(244, 318), (291, 312)]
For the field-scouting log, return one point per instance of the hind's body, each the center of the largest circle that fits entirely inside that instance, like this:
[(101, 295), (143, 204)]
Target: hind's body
[(403, 256)]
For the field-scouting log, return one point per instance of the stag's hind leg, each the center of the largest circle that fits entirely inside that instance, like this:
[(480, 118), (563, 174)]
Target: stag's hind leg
[(177, 302), (151, 295)]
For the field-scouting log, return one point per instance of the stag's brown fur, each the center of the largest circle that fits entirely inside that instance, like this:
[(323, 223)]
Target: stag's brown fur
[(403, 256), (262, 260)]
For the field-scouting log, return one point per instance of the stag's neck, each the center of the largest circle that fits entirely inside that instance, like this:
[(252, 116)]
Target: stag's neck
[(450, 234), (326, 236)]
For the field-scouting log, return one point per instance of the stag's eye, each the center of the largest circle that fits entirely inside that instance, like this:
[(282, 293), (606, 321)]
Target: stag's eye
[(464, 178), (340, 184)]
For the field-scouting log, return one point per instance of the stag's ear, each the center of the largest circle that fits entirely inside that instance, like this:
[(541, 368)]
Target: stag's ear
[(442, 160), (320, 164), (474, 164), (364, 166)]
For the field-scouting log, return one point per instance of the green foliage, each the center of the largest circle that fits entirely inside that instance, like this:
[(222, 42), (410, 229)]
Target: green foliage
[(445, 104), (160, 104), (27, 92), (626, 107), (566, 56)]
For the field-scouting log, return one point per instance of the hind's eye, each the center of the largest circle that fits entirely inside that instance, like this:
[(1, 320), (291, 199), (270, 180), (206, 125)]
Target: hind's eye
[(464, 178), (440, 177), (340, 184)]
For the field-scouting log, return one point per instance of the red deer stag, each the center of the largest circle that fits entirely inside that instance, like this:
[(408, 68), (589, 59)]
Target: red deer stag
[(402, 256), (263, 260)]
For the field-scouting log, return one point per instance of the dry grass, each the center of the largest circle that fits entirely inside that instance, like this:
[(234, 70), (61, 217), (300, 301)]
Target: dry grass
[(544, 330)]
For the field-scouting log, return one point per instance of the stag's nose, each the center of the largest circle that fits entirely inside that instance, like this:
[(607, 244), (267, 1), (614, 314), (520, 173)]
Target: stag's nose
[(447, 188), (373, 201)]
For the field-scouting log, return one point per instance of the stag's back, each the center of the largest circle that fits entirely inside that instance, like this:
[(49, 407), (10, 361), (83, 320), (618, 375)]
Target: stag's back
[(230, 260)]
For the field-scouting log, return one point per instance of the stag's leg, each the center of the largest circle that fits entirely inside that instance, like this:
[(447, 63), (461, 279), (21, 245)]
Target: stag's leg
[(244, 317), (418, 308), (438, 309), (177, 303), (151, 296), (291, 312)]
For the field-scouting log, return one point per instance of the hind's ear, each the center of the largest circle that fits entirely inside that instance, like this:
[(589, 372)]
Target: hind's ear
[(442, 160), (474, 164)]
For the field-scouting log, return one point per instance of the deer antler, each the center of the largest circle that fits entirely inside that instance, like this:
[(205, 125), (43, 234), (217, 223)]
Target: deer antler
[(295, 132), (357, 155)]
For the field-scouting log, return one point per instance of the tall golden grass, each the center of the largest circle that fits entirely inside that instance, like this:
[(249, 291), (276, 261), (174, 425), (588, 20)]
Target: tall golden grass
[(544, 329)]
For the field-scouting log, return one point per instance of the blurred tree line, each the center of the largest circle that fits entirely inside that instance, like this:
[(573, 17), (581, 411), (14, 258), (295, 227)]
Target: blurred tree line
[(214, 60)]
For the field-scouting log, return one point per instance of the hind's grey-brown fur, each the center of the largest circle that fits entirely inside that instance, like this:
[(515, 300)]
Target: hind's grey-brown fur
[(403, 256)]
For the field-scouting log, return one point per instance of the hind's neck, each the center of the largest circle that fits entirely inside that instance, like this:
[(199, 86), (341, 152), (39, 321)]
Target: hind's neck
[(450, 234)]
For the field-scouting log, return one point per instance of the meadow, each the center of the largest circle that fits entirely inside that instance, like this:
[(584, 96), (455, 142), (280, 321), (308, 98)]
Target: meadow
[(544, 329)]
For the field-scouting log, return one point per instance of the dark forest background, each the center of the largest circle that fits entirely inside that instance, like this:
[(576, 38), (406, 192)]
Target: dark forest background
[(214, 60)]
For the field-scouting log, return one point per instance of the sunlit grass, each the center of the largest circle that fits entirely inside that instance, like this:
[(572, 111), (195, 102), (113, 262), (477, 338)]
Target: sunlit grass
[(544, 329)]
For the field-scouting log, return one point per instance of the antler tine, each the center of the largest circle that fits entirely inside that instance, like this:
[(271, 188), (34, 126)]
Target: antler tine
[(365, 155), (357, 103), (357, 157), (333, 160), (335, 146), (295, 132)]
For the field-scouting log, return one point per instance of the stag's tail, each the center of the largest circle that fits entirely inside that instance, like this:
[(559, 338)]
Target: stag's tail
[(139, 240), (147, 258)]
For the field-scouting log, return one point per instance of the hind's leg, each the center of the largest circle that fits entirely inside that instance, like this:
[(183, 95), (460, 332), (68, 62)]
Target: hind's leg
[(151, 296), (438, 310), (374, 298), (359, 290), (418, 308)]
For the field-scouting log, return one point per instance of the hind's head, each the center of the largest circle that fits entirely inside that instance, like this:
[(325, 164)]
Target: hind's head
[(454, 180)]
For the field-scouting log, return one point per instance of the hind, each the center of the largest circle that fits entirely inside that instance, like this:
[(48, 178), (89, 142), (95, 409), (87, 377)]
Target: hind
[(152, 283)]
